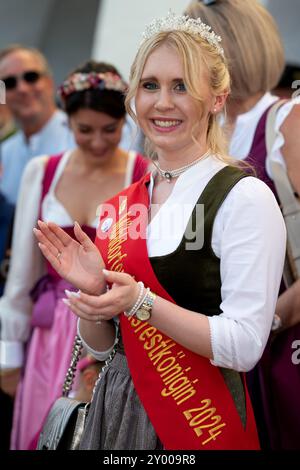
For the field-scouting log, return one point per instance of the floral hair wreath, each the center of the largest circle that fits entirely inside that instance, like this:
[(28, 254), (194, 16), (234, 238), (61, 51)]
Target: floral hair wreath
[(93, 80)]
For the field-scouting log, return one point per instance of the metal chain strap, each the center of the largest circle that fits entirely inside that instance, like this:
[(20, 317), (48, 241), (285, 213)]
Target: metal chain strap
[(77, 348), (70, 375)]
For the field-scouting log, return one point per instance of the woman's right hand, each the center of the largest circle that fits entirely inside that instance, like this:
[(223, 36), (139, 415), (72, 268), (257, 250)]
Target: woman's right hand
[(77, 261)]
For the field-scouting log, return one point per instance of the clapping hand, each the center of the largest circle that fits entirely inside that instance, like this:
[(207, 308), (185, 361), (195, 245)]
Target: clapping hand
[(77, 261), (96, 308)]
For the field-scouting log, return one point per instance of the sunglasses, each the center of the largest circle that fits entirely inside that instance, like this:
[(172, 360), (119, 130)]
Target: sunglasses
[(29, 77)]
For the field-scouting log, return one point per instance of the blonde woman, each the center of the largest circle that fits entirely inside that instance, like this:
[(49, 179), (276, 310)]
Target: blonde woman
[(255, 53), (196, 291)]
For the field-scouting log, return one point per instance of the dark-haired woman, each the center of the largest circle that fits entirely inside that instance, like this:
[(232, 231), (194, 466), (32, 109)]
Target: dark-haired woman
[(64, 189)]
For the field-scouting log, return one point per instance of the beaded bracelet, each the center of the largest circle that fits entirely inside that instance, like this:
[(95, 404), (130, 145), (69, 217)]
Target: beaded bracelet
[(137, 303), (142, 301)]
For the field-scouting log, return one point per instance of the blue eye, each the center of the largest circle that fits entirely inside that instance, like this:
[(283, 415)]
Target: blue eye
[(180, 87), (150, 86)]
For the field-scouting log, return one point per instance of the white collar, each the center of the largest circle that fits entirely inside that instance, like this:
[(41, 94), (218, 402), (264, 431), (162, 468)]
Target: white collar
[(245, 127)]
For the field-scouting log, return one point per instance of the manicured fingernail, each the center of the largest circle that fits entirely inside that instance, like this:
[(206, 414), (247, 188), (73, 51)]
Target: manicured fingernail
[(66, 301), (105, 272), (70, 294)]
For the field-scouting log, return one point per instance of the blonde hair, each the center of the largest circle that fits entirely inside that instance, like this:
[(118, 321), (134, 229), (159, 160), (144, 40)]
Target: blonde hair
[(251, 41), (199, 59)]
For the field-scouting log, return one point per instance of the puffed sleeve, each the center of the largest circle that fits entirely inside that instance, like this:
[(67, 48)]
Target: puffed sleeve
[(275, 154), (249, 237), (26, 267)]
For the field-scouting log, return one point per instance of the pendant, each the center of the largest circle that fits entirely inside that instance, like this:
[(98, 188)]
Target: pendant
[(168, 176)]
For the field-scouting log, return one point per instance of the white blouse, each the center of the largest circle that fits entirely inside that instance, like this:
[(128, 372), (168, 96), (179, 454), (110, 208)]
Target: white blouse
[(53, 210), (244, 131), (249, 237)]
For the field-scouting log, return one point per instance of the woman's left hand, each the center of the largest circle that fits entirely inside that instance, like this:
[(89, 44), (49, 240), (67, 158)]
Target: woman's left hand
[(121, 297)]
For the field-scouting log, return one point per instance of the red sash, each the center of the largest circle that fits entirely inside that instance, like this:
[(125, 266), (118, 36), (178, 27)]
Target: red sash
[(184, 395)]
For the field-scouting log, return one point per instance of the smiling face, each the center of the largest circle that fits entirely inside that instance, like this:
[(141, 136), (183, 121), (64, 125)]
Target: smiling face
[(97, 134), (29, 102), (169, 116)]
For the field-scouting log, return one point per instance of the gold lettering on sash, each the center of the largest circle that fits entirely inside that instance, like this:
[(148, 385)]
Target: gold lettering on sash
[(118, 237), (204, 420)]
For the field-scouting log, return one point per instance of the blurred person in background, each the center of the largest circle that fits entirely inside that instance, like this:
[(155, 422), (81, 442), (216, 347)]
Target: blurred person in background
[(31, 307), (255, 53), (43, 128), (7, 129)]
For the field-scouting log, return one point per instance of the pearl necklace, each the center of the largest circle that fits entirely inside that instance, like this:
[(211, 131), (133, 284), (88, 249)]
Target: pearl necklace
[(169, 174)]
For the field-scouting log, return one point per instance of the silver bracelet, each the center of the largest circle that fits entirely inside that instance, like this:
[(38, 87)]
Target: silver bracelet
[(131, 312)]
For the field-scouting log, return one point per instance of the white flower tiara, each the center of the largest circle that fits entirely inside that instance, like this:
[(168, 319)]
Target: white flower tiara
[(175, 22)]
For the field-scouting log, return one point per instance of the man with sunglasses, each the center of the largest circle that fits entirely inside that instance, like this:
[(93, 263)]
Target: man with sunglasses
[(43, 129)]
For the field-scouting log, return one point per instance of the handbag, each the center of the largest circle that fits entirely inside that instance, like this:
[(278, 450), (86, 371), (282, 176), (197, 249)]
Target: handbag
[(64, 425), (65, 422), (290, 205)]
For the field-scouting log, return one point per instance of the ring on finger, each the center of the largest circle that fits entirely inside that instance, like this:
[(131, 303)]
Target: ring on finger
[(58, 255), (98, 322)]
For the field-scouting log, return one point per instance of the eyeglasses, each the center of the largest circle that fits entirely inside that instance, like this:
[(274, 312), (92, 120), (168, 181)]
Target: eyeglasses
[(31, 76)]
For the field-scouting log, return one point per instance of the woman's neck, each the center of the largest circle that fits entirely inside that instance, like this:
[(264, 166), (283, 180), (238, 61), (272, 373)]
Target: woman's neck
[(83, 164), (169, 160), (236, 107)]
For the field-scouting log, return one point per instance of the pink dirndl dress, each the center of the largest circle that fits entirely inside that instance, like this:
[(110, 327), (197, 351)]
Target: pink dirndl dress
[(49, 349)]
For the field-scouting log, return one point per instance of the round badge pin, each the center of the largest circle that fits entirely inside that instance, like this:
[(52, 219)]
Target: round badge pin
[(106, 224)]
